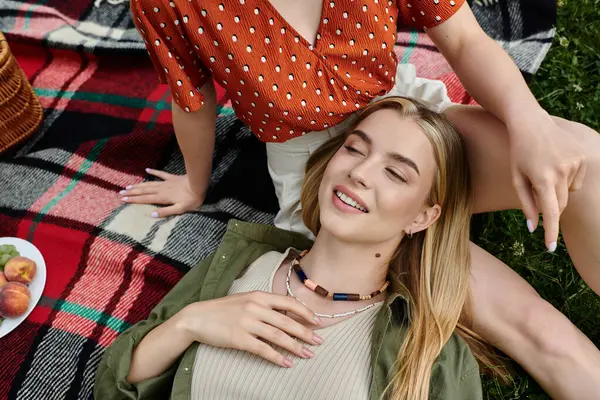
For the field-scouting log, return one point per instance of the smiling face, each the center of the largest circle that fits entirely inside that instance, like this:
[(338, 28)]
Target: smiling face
[(375, 187)]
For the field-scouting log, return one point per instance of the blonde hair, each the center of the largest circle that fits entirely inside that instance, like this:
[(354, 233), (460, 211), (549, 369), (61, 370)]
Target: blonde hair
[(434, 264)]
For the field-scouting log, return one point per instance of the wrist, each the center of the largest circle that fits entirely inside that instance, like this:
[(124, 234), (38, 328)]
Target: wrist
[(181, 324), (197, 187)]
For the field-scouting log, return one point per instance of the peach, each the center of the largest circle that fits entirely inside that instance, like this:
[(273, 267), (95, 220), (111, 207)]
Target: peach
[(20, 269), (3, 279), (14, 299)]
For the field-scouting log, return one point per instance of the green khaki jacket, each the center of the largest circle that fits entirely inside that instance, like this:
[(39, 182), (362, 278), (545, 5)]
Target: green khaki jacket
[(455, 374)]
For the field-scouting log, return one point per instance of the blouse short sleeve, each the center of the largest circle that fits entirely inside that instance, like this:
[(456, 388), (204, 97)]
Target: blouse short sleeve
[(171, 52), (425, 14)]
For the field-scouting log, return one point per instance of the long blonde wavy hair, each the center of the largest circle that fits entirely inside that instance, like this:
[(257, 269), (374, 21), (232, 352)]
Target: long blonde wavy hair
[(434, 264)]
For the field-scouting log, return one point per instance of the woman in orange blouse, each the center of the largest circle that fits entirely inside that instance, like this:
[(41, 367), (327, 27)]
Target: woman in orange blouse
[(298, 71)]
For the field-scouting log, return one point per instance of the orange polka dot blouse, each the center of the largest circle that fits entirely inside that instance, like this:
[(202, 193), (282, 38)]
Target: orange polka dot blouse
[(281, 85)]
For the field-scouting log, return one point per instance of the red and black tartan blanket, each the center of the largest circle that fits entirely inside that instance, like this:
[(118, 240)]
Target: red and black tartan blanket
[(106, 120)]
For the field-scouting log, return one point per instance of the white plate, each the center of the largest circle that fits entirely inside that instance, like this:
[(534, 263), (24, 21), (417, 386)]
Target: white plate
[(36, 287)]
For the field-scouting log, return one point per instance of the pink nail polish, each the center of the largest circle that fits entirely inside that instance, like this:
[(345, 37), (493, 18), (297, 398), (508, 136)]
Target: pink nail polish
[(129, 187), (154, 214), (307, 353), (122, 192), (318, 339), (287, 363), (125, 199), (552, 247)]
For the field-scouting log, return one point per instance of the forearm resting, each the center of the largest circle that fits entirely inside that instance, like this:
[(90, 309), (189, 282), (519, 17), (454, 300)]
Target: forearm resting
[(195, 134), (158, 351)]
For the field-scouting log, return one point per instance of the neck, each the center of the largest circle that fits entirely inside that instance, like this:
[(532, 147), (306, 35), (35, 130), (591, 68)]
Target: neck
[(348, 267)]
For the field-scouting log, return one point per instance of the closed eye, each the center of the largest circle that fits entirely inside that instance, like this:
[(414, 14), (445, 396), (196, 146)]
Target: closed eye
[(352, 150), (396, 175)]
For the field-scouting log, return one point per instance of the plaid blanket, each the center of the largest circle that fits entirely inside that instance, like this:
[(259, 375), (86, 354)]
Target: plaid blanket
[(108, 263), (106, 120)]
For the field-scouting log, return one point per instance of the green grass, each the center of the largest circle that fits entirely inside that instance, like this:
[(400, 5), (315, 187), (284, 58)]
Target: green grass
[(567, 85)]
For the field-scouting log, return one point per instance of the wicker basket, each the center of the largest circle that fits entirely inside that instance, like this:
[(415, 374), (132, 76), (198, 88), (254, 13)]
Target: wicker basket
[(20, 109)]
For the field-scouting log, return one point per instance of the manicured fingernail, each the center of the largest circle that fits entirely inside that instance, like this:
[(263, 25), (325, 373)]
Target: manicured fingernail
[(287, 363), (530, 226), (154, 214), (307, 353), (122, 192), (318, 339), (125, 199), (129, 187), (551, 247), (147, 169), (317, 320)]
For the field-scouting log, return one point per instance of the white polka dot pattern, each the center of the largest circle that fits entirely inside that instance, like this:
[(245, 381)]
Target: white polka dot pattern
[(281, 85)]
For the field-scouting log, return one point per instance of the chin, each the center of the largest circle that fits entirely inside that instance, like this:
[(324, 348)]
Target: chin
[(344, 227)]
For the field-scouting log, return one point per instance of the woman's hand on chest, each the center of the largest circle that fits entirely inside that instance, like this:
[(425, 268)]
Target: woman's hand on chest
[(247, 321)]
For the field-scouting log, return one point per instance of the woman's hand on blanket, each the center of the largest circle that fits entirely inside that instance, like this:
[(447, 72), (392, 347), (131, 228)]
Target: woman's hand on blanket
[(249, 322), (547, 164), (174, 191)]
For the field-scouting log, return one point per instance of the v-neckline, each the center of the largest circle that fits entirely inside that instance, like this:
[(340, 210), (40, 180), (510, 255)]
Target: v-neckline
[(287, 25)]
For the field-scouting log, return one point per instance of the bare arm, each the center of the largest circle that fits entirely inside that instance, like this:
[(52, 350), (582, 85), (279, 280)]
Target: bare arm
[(484, 68), (546, 162), (235, 321), (158, 351), (195, 134)]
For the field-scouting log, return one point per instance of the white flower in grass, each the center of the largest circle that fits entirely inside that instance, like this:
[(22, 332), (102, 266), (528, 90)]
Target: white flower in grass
[(579, 105), (577, 88), (518, 249), (563, 41)]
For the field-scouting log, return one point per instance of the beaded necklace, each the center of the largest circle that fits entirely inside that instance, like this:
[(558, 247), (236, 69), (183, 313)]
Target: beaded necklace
[(295, 266)]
